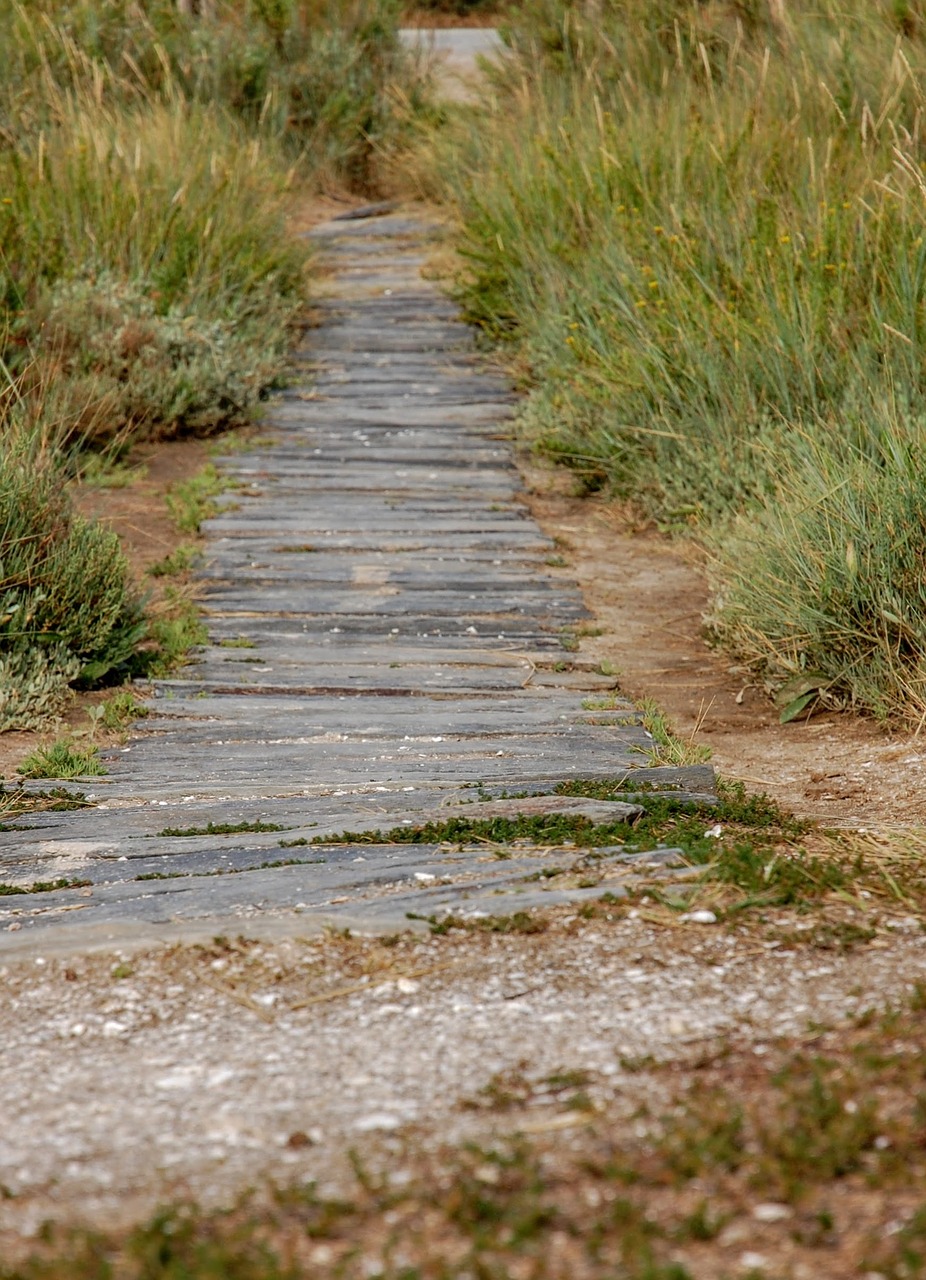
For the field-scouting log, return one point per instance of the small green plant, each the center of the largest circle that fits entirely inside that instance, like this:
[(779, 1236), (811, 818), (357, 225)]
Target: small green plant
[(121, 709), (108, 470), (63, 759), (192, 501), (822, 1127), (518, 922), (42, 886), (173, 634), (237, 642), (667, 747), (179, 561), (221, 829)]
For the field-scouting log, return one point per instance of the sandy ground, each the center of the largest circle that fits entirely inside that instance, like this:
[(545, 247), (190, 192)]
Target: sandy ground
[(206, 1070)]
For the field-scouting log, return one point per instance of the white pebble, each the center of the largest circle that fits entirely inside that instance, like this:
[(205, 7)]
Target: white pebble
[(771, 1212), (378, 1120), (699, 917)]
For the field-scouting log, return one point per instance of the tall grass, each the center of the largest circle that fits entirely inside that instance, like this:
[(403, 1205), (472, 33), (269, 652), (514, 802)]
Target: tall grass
[(704, 225), (143, 249), (328, 80)]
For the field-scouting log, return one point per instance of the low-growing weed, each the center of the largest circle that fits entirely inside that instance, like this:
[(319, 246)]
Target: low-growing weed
[(181, 560), (518, 922), (668, 747), (190, 502), (173, 633), (42, 886), (62, 759), (221, 829), (120, 710)]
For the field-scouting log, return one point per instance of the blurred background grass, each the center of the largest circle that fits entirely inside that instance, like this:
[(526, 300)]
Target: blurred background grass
[(702, 224), (148, 284)]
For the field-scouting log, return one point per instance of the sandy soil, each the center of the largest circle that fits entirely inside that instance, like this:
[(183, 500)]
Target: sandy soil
[(203, 1070)]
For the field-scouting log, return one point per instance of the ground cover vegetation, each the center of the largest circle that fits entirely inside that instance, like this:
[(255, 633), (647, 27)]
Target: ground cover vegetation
[(147, 280), (746, 854), (702, 225)]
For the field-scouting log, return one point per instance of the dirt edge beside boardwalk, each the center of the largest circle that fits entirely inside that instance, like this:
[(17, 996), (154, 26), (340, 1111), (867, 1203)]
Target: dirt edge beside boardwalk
[(649, 596)]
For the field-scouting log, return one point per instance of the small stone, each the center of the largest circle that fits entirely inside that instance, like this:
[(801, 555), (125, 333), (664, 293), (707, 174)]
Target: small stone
[(377, 1120), (699, 917), (753, 1261), (407, 986), (14, 927), (771, 1212), (424, 877), (113, 1028), (715, 832)]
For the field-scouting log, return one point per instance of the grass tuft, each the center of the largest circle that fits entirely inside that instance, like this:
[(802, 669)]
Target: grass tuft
[(62, 759)]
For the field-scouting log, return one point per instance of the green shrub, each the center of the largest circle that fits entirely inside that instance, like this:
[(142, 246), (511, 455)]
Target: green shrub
[(148, 275), (824, 594), (66, 612)]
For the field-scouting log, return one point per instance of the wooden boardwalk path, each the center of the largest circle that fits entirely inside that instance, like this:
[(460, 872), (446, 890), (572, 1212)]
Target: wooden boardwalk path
[(387, 644)]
